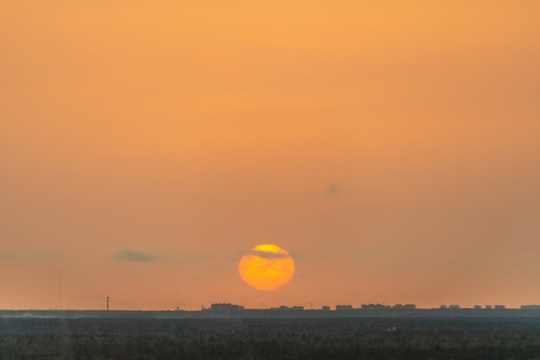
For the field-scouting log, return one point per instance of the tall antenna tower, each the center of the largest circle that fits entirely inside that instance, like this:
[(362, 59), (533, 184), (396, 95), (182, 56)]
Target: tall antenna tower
[(107, 303)]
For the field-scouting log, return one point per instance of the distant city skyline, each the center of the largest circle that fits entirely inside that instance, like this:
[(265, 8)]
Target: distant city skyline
[(216, 306)]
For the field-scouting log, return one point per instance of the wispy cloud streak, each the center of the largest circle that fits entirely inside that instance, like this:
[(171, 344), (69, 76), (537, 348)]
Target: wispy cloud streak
[(135, 256), (268, 255), (333, 190)]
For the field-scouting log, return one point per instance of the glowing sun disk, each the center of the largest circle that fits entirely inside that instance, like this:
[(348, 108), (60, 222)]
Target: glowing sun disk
[(267, 267)]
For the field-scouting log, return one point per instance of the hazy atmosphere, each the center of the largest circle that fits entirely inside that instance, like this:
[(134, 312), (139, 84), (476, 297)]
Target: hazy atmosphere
[(391, 148)]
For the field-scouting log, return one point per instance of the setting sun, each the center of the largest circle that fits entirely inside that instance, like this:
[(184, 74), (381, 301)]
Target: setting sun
[(267, 267)]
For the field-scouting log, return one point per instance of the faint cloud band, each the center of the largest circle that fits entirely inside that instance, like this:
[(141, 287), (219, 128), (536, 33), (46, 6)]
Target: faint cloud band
[(136, 256)]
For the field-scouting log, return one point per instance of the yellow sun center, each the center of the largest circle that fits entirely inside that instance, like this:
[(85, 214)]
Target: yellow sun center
[(266, 267)]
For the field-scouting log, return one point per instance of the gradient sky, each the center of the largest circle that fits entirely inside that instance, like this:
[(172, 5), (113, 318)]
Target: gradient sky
[(391, 147)]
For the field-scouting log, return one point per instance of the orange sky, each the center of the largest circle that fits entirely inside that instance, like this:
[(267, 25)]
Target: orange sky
[(392, 149)]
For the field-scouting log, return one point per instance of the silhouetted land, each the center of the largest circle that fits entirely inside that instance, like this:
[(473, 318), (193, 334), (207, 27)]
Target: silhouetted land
[(302, 338), (279, 313)]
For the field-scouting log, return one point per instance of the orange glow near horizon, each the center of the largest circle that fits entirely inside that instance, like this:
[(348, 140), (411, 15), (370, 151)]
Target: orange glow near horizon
[(390, 146), (267, 268)]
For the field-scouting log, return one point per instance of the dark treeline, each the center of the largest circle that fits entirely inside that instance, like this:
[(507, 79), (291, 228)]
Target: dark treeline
[(270, 339)]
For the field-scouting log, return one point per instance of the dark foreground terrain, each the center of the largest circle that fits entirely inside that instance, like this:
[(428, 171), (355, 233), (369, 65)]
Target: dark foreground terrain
[(39, 338)]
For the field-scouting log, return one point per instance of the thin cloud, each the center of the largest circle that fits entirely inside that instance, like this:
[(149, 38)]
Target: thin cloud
[(268, 255), (8, 257), (333, 190), (136, 256)]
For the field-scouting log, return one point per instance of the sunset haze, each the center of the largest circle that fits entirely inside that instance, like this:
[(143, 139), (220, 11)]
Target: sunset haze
[(391, 148)]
